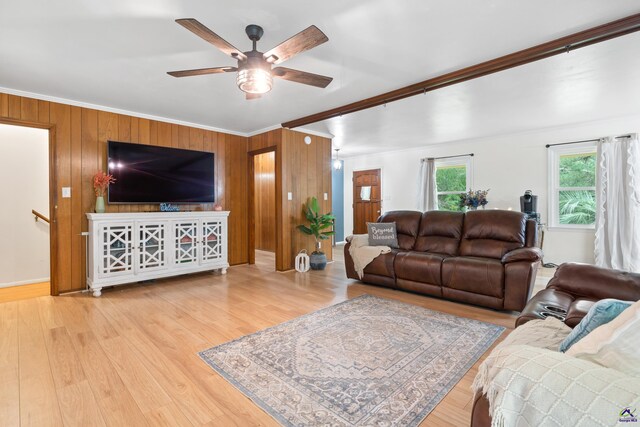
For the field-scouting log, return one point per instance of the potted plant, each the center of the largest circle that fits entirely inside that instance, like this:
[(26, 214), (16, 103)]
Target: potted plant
[(318, 223), (101, 182), (473, 199)]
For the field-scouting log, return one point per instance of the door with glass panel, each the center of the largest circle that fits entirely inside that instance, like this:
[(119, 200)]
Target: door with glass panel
[(151, 251), (213, 248), (185, 236), (116, 246), (367, 203)]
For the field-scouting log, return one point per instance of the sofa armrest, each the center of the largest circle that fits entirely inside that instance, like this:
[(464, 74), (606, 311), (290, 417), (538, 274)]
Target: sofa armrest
[(584, 280), (348, 262), (532, 254), (519, 279)]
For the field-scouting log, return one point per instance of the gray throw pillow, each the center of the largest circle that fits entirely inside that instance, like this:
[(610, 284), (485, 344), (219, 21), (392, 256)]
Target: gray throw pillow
[(382, 234)]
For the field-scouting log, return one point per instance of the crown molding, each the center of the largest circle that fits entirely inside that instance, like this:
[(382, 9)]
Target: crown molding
[(50, 98), (116, 110)]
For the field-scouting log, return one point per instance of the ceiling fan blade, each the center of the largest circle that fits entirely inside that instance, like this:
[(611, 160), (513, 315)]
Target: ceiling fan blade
[(202, 71), (253, 96), (204, 33), (304, 40), (302, 77)]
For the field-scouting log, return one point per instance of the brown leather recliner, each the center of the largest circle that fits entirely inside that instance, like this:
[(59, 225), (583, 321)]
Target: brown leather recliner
[(568, 296), (486, 258), (575, 288)]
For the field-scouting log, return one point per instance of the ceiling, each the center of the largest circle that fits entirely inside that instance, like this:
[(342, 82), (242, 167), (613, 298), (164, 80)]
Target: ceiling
[(115, 54)]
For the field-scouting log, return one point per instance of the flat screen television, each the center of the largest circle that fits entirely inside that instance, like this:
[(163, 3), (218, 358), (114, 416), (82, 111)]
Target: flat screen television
[(152, 174)]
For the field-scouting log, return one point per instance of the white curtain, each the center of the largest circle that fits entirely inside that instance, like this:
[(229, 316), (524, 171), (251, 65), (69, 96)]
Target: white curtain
[(617, 242), (427, 191)]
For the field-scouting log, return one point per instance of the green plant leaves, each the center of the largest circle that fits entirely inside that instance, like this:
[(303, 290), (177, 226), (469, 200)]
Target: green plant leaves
[(577, 207), (317, 222)]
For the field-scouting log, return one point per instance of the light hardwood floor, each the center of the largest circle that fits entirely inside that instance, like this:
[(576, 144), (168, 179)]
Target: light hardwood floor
[(129, 358)]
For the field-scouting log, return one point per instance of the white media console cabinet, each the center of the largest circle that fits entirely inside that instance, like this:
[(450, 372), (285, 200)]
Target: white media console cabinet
[(131, 247)]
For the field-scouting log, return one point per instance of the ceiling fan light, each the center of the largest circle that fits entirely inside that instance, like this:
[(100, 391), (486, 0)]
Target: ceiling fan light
[(254, 80)]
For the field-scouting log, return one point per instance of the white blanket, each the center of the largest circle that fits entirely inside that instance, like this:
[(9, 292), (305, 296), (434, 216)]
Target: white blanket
[(529, 383), (548, 333), (362, 254), (530, 386)]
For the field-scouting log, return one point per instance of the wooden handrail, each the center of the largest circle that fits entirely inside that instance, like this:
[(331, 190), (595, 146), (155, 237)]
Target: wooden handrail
[(39, 215)]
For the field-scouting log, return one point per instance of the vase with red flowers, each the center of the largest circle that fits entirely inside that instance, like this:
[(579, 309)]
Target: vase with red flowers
[(101, 183)]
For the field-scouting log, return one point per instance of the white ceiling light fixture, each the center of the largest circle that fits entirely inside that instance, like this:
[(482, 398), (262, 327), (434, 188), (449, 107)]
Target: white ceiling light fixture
[(307, 140), (337, 164)]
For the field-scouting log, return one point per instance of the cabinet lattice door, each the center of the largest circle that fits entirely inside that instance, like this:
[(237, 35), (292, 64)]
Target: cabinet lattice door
[(186, 238), (116, 242), (212, 249), (152, 253)]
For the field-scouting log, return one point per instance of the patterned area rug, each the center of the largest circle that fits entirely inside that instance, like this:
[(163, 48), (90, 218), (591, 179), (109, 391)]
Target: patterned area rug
[(368, 361)]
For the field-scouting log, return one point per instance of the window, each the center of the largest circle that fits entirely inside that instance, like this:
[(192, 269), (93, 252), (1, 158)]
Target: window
[(453, 178), (573, 185)]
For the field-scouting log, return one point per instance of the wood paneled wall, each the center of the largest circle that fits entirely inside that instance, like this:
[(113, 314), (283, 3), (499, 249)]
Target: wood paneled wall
[(264, 202), (305, 171), (80, 150)]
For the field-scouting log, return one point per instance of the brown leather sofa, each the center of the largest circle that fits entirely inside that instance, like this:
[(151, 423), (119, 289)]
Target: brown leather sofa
[(568, 296), (486, 258)]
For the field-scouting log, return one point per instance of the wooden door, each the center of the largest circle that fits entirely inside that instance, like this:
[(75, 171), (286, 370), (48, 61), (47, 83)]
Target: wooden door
[(367, 204)]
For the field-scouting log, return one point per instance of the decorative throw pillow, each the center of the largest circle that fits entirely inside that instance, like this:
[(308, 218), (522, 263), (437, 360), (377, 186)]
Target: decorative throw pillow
[(615, 344), (600, 313), (382, 234)]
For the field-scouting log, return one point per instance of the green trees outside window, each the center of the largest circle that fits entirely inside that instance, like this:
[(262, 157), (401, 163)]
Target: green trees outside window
[(451, 182), (576, 192)]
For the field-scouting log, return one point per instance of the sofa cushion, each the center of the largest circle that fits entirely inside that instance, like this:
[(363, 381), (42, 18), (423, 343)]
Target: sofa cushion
[(615, 344), (600, 313), (440, 232), (419, 287), (382, 234), (382, 265), (492, 233), (407, 224), (482, 276), (420, 267)]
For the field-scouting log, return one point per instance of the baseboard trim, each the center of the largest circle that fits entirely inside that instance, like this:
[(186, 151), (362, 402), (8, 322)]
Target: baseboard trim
[(24, 282), (15, 293)]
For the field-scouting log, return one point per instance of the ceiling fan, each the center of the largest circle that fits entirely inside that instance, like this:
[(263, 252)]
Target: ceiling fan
[(255, 75)]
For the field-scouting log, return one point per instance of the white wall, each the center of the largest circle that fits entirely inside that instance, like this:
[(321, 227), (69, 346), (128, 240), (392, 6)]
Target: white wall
[(507, 164), (24, 185)]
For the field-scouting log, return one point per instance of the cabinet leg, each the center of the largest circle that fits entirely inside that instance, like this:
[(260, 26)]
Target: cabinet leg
[(223, 271), (97, 292)]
